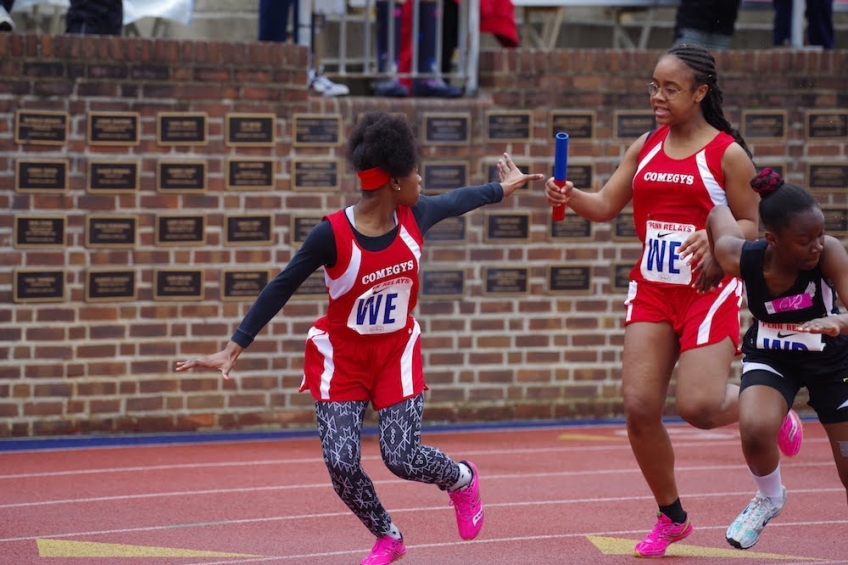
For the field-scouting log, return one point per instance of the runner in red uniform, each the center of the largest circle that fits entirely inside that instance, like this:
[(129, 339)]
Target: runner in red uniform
[(681, 310), (367, 349)]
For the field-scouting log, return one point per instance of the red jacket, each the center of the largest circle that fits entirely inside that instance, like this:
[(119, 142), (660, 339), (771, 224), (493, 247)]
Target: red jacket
[(498, 18)]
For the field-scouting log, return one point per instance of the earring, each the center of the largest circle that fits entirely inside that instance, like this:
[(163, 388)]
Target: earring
[(397, 187)]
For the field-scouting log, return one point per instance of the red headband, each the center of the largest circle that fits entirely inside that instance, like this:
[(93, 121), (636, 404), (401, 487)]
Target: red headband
[(374, 178)]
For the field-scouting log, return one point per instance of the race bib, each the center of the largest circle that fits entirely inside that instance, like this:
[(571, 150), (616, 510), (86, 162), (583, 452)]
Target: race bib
[(382, 309), (787, 337), (661, 261)]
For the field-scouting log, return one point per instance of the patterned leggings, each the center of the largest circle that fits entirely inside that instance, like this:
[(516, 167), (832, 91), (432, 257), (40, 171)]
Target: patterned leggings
[(340, 428)]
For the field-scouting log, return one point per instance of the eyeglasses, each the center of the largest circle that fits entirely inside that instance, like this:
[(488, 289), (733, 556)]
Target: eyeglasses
[(668, 92)]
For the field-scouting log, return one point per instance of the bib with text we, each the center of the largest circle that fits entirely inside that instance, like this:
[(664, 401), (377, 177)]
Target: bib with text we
[(661, 261)]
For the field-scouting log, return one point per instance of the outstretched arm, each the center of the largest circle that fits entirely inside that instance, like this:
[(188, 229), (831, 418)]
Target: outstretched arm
[(318, 249), (430, 210)]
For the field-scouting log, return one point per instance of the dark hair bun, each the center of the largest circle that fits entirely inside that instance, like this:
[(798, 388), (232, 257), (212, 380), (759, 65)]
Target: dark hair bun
[(766, 182)]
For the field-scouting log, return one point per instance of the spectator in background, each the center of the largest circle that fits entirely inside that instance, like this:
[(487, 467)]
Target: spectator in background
[(95, 17), (6, 21), (708, 23), (496, 17), (273, 26), (819, 15)]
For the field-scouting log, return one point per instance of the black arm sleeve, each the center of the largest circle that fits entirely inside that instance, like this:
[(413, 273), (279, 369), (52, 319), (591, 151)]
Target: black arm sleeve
[(431, 210), (318, 249)]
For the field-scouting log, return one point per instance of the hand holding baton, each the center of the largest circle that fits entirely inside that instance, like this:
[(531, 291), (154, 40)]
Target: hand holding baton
[(560, 168)]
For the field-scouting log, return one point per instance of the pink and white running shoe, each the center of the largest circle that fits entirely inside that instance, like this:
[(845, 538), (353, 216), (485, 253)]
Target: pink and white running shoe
[(386, 550), (664, 534), (791, 435), (469, 508)]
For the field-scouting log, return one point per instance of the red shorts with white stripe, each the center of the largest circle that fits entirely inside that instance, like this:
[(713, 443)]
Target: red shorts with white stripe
[(698, 318), (340, 365)]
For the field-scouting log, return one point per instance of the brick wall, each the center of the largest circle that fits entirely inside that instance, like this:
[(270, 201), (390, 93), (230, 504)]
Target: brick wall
[(76, 365)]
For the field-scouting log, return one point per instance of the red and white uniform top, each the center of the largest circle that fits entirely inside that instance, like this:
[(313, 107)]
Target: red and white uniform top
[(372, 293), (671, 200)]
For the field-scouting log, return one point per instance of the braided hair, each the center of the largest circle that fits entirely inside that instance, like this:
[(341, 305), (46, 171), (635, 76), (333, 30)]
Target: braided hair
[(383, 140), (779, 200), (700, 60)]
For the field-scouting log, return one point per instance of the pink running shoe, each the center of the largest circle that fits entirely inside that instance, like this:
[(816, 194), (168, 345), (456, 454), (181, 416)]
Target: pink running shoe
[(791, 435), (386, 550), (664, 534), (469, 508)]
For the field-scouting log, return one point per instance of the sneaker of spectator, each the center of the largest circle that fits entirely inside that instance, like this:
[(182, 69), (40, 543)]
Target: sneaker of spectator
[(6, 21), (391, 88), (324, 86), (435, 88)]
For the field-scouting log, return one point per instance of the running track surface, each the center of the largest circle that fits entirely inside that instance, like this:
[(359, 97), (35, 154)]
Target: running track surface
[(553, 495)]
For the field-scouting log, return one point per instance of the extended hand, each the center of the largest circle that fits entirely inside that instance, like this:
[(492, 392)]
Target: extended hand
[(223, 361), (511, 177)]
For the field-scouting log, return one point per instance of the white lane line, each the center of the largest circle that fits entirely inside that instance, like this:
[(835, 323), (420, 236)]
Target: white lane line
[(440, 508), (319, 460), (327, 485)]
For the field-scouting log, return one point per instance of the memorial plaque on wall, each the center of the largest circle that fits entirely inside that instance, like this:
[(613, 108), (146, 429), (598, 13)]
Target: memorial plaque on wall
[(446, 128), (623, 228), (41, 175), (572, 228), (506, 281), (242, 285), (112, 177), (569, 279), (180, 229), (764, 125), (444, 175), (41, 127), (35, 285), (620, 277), (630, 124), (508, 227), (448, 283), (176, 284), (509, 125), (39, 231), (111, 231), (300, 227), (249, 229), (180, 176), (826, 124), (313, 287), (114, 128), (317, 130), (835, 220), (182, 128), (250, 130), (580, 126), (315, 174), (249, 173), (112, 285), (449, 229), (827, 176)]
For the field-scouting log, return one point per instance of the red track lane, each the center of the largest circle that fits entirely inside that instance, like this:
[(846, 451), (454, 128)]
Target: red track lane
[(567, 495)]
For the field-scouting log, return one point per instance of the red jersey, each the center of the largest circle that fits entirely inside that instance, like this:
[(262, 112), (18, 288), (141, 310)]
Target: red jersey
[(671, 200), (372, 293)]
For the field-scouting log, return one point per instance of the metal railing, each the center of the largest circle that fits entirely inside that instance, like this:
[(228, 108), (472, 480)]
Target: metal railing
[(360, 16)]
